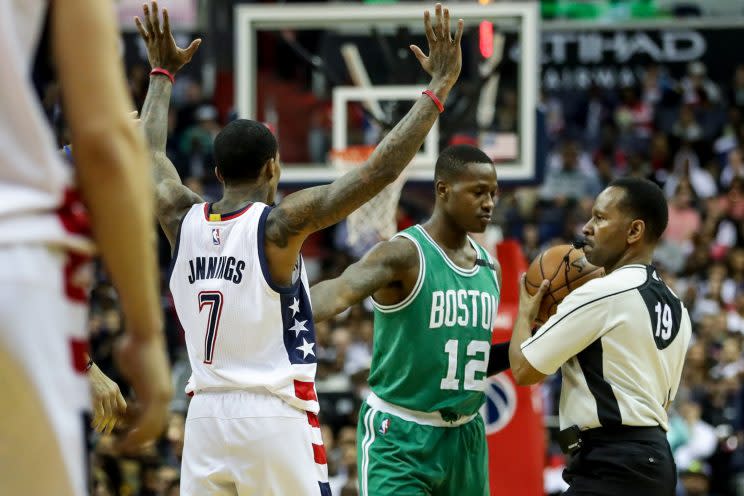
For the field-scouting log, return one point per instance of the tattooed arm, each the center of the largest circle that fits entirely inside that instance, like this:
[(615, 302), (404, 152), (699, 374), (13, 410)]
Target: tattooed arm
[(313, 209), (391, 266), (173, 199)]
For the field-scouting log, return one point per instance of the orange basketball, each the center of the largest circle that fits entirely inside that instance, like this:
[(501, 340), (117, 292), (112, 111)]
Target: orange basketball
[(566, 268)]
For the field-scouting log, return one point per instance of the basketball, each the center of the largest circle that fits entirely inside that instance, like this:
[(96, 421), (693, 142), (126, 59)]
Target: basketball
[(566, 268)]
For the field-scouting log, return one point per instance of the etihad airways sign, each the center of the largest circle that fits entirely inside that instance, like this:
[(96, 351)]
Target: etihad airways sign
[(609, 59)]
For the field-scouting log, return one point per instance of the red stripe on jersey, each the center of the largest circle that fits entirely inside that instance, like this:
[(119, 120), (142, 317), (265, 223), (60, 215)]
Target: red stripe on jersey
[(313, 419), (226, 216), (73, 215), (305, 390), (238, 213), (319, 454), (78, 352), (78, 277)]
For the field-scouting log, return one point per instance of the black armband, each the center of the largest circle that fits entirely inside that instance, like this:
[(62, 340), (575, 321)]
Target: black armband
[(498, 360)]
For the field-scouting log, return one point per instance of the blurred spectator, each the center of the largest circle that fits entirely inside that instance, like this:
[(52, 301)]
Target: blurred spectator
[(736, 93), (697, 86), (695, 479), (734, 167), (687, 128), (634, 118), (568, 180), (684, 218), (189, 97), (687, 167), (691, 438), (196, 142)]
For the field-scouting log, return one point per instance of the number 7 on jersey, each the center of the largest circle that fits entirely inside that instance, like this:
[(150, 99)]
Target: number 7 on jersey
[(213, 299)]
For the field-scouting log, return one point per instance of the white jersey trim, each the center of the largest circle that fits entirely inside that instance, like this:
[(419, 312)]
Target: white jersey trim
[(433, 419), (452, 265), (416, 288)]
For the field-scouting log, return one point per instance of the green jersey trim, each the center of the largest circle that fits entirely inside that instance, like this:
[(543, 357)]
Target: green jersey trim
[(416, 288), (459, 270)]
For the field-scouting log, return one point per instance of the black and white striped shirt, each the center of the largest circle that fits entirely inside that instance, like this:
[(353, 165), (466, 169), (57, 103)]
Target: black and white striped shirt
[(620, 341)]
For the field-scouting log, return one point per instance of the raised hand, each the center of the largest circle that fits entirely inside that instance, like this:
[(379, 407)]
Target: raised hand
[(445, 54), (162, 50)]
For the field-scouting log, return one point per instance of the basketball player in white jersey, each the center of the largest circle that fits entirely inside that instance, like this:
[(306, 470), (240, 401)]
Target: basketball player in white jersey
[(239, 283), (45, 245)]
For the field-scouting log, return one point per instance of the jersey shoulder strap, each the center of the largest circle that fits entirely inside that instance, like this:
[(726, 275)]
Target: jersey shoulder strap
[(411, 235)]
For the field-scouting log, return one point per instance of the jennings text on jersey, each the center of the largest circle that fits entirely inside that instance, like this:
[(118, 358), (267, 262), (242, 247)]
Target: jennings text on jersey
[(227, 268)]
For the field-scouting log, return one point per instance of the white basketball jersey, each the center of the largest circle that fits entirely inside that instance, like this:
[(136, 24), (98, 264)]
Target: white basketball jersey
[(38, 204), (242, 331)]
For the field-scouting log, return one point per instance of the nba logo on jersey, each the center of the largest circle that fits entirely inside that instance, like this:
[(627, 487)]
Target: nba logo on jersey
[(501, 403), (384, 426), (215, 236)]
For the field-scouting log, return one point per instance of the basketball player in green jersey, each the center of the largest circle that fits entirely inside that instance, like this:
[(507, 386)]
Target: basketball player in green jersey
[(435, 295)]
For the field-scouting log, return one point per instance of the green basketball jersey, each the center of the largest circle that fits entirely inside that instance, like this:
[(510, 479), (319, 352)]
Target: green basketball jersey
[(431, 350)]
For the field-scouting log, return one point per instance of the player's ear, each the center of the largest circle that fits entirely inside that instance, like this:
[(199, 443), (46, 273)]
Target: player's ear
[(218, 175), (271, 169), (442, 189), (636, 231)]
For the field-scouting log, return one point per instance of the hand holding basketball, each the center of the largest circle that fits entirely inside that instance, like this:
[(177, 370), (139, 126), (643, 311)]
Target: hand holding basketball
[(529, 303), (445, 55), (565, 268)]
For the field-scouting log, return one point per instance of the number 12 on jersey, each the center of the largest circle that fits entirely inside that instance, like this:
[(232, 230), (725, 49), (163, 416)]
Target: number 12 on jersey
[(472, 367), (213, 299)]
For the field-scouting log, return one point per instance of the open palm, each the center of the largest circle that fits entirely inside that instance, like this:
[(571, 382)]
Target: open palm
[(162, 50)]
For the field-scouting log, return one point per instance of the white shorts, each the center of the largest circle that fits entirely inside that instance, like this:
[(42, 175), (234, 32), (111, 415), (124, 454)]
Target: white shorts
[(45, 392), (251, 443)]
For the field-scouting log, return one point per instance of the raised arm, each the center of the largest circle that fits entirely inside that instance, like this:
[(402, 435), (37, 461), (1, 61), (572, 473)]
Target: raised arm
[(313, 209), (386, 263), (111, 162), (173, 199)]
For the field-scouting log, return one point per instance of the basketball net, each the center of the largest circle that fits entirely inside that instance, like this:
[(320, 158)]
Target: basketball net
[(375, 220)]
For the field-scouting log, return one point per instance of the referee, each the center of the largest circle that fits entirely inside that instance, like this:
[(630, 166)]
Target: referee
[(620, 341)]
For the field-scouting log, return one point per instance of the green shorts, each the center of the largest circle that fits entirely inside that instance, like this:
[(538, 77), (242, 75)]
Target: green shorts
[(403, 458)]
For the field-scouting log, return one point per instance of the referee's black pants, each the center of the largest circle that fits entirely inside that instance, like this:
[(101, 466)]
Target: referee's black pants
[(630, 461)]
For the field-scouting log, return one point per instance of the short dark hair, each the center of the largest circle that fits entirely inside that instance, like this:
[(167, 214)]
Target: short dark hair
[(453, 158), (644, 200), (242, 148)]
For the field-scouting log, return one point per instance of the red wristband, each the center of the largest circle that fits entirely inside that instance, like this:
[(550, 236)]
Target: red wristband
[(434, 99), (164, 72)]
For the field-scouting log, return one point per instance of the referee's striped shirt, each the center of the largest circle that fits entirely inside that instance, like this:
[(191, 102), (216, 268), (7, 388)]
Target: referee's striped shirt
[(620, 341)]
